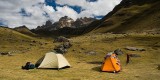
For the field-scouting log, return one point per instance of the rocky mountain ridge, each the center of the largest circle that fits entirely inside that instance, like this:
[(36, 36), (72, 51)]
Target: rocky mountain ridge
[(65, 22)]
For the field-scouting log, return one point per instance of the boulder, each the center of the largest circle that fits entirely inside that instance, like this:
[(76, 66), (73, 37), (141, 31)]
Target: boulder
[(67, 45), (62, 39), (118, 52), (134, 48), (6, 53), (91, 53), (60, 49), (131, 48)]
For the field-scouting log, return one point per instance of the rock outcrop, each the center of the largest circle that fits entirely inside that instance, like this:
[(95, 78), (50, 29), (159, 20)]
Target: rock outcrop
[(65, 22)]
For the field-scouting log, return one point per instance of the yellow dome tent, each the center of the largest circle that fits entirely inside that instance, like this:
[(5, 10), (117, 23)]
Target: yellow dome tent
[(52, 60)]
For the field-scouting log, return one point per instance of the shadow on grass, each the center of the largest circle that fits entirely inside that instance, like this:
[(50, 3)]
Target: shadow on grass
[(98, 69), (54, 68)]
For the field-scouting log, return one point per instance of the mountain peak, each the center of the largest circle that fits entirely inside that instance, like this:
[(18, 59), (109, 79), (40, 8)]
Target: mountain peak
[(65, 22), (65, 18), (21, 27)]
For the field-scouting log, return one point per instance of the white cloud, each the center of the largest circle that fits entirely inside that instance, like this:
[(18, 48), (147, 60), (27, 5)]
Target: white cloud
[(10, 12), (100, 7), (66, 11), (10, 8), (50, 8)]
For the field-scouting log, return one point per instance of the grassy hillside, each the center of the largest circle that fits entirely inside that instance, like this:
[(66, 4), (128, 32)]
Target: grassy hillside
[(24, 30), (132, 16), (140, 16), (12, 41), (84, 66)]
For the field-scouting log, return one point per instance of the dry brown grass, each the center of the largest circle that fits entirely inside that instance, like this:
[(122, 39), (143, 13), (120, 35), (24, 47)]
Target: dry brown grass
[(87, 67)]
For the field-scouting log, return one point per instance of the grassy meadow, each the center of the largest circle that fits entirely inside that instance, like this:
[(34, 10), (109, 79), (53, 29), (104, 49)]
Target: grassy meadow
[(83, 66)]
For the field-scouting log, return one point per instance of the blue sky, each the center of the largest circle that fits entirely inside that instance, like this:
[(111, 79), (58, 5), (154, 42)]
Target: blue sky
[(33, 13), (53, 3)]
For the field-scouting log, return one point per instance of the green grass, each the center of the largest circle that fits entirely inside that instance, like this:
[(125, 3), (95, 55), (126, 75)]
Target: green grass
[(87, 67)]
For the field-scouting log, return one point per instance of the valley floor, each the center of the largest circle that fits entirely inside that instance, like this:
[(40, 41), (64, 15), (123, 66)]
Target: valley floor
[(87, 66)]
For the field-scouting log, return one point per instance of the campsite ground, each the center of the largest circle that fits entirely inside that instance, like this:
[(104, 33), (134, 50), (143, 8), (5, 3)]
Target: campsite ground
[(85, 66)]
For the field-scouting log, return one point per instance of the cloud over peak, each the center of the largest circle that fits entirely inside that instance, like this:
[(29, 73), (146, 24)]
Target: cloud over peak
[(33, 13)]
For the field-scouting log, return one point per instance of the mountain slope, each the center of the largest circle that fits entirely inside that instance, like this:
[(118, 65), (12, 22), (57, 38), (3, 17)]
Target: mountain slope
[(132, 16), (12, 40), (24, 30)]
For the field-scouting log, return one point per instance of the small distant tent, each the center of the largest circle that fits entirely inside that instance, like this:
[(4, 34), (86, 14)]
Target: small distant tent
[(111, 63), (52, 60)]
